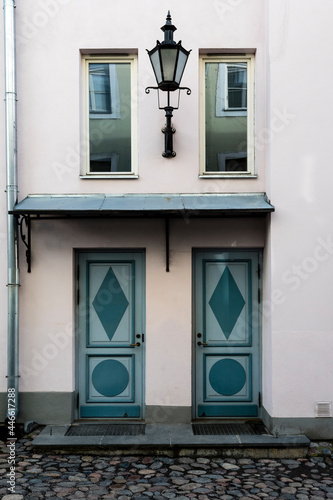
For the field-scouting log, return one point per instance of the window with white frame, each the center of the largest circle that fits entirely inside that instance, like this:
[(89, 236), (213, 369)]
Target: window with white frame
[(227, 116), (110, 116)]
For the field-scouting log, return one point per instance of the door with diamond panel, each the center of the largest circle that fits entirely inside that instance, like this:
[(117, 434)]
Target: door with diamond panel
[(111, 290), (227, 334)]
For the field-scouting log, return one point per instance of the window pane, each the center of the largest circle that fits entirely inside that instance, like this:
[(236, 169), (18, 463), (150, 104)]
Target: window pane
[(237, 86), (110, 117), (226, 117), (99, 88)]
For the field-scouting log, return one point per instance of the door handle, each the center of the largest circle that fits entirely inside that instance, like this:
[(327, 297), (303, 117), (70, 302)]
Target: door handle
[(137, 344), (202, 343)]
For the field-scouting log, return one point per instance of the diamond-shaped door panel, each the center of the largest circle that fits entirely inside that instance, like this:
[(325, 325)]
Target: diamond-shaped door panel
[(227, 302), (110, 303)]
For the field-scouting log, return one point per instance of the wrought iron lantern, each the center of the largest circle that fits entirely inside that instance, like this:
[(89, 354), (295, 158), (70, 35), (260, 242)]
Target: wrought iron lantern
[(168, 60)]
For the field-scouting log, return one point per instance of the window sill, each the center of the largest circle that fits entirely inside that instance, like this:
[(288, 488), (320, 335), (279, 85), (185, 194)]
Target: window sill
[(228, 176), (109, 176)]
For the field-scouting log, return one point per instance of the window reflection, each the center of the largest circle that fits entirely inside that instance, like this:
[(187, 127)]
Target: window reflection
[(226, 116), (99, 88), (110, 117)]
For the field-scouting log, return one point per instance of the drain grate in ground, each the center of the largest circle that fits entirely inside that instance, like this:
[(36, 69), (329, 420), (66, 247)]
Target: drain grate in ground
[(106, 430), (253, 429)]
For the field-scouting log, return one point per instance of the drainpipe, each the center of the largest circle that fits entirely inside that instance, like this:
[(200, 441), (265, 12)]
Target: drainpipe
[(11, 196)]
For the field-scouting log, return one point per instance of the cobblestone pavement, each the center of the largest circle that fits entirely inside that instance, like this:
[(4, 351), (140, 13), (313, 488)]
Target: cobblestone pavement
[(53, 477)]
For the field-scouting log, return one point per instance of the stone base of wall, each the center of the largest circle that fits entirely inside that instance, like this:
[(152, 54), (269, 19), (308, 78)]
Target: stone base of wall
[(42, 407), (168, 414), (313, 428)]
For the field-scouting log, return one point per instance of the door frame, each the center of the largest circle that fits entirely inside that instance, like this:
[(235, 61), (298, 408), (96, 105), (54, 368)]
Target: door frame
[(195, 252), (76, 258)]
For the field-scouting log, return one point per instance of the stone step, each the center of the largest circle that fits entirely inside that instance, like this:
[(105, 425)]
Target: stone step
[(173, 440)]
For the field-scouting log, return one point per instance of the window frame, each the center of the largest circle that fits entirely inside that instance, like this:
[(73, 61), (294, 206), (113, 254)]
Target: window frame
[(220, 112), (114, 115)]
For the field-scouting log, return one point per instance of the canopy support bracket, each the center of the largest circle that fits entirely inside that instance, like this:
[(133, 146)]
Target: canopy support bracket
[(167, 245), (26, 238)]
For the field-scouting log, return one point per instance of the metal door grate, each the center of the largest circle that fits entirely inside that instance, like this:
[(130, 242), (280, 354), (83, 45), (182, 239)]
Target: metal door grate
[(245, 429), (106, 430)]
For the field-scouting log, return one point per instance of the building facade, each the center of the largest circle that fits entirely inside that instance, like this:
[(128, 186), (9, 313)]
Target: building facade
[(167, 290)]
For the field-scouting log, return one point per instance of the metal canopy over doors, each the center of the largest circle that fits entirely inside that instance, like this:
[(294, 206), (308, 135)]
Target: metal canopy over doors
[(111, 335), (41, 207), (227, 334), (145, 205)]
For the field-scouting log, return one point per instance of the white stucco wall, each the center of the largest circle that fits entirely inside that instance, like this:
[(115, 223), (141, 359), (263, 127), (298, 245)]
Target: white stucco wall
[(300, 40), (49, 84), (50, 35), (48, 307)]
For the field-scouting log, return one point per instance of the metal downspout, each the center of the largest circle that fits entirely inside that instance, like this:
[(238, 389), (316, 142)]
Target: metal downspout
[(11, 196)]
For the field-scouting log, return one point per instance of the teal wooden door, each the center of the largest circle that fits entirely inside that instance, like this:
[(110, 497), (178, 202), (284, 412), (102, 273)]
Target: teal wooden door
[(227, 334), (111, 335)]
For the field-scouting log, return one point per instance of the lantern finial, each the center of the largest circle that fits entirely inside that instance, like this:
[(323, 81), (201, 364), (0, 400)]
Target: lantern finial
[(168, 30)]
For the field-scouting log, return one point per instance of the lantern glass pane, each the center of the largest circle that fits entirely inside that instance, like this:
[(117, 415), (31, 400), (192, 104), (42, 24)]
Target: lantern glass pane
[(182, 58), (155, 61), (168, 57)]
